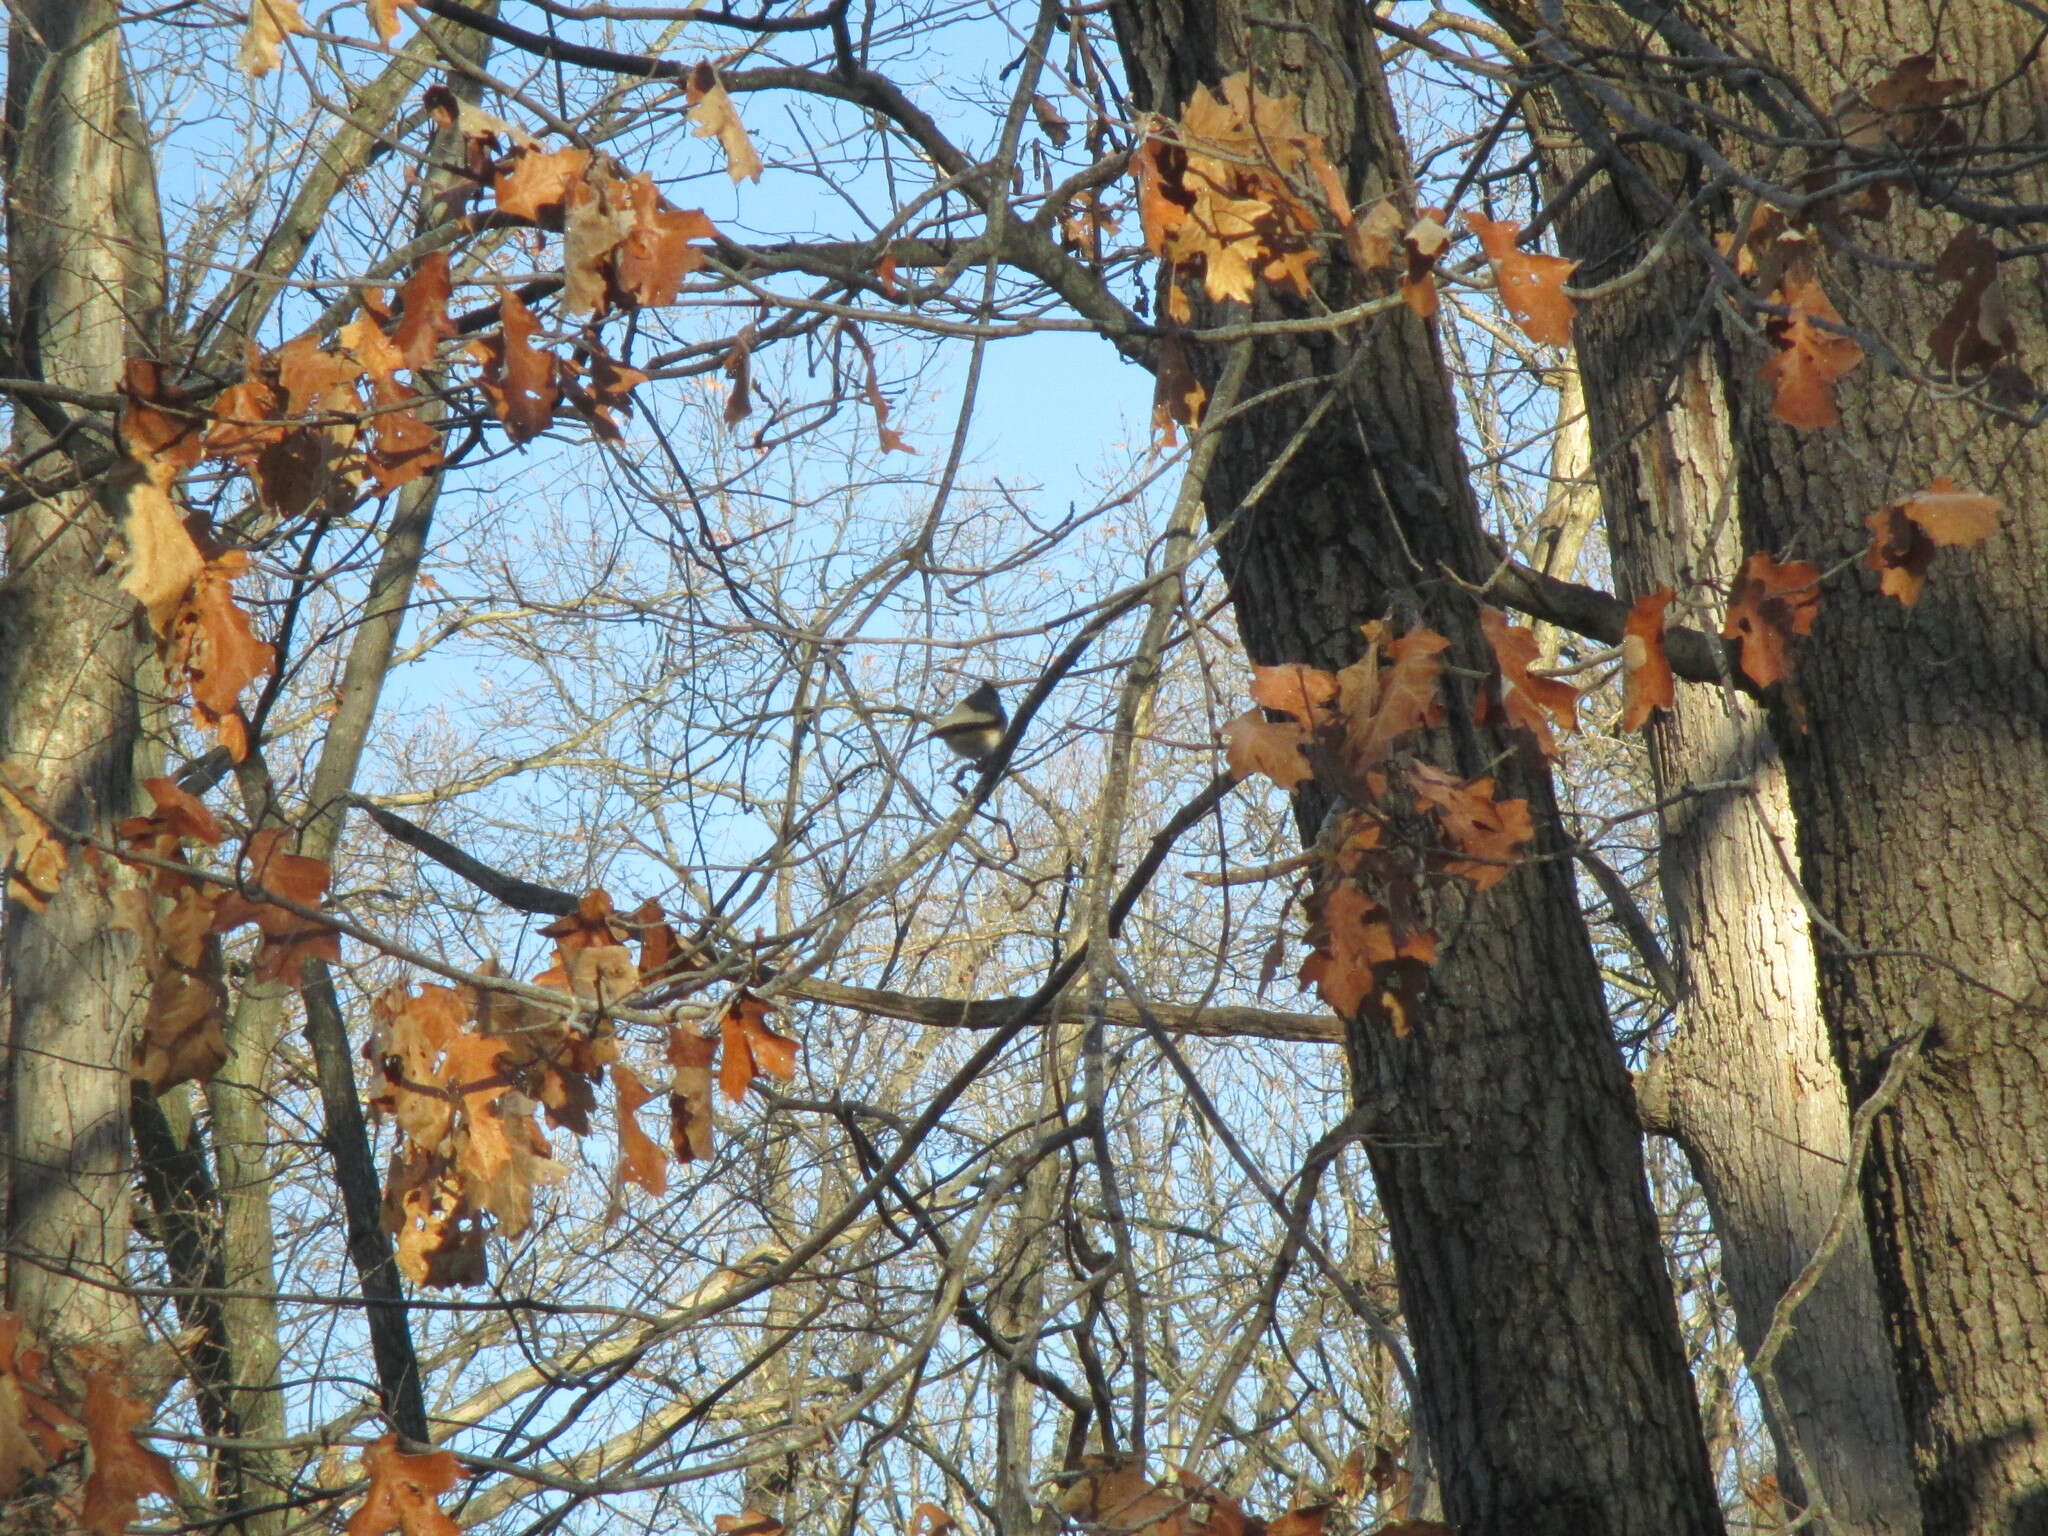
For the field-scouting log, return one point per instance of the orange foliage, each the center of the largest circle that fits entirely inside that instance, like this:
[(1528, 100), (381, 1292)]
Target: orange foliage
[(1531, 285), (1217, 198), (1410, 827), (518, 378), (404, 1492), (750, 1046), (715, 117), (1518, 697), (1646, 679), (691, 1105), (123, 1468), (33, 1428), (1809, 359), (1905, 536), (641, 1161), (270, 23), (36, 855), (288, 938), (1768, 605)]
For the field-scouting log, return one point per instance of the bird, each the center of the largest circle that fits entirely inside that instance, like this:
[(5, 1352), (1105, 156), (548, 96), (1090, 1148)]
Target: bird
[(974, 727)]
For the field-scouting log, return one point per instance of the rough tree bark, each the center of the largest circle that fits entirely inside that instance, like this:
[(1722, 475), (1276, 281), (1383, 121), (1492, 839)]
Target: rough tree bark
[(1555, 1394), (85, 278), (1918, 772), (1748, 1085), (1914, 745)]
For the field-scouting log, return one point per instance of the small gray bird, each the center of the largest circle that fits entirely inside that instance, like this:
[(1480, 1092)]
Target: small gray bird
[(974, 727)]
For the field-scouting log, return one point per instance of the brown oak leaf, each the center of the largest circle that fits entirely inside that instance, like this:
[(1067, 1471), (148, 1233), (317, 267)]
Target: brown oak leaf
[(1530, 284), (1768, 605), (1646, 680), (1905, 536), (1521, 699), (1808, 359)]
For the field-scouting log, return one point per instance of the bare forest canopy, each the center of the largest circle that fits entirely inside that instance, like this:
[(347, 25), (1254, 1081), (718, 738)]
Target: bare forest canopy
[(1495, 982)]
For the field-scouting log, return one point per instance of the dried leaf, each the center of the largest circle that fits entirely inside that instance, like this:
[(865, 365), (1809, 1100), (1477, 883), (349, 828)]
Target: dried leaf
[(1050, 123), (641, 1161), (162, 560), (1646, 681), (366, 338), (1307, 1520), (1303, 693), (1424, 241), (1370, 240), (247, 419), (1177, 395), (405, 1492), (518, 378), (211, 648), (1363, 965), (1215, 193), (423, 322), (609, 392), (1489, 833), (384, 17), (270, 22), (891, 442), (123, 1468), (717, 118), (656, 255), (1254, 744), (180, 816), (593, 925), (691, 1106), (34, 1431), (1115, 1492), (288, 939), (164, 439), (739, 368), (36, 856), (1405, 695), (500, 1154), (403, 446), (1768, 605), (661, 947), (533, 183), (1531, 285), (1349, 1483), (438, 1238), (598, 218), (1911, 101), (1906, 535), (1524, 701), (1977, 333), (1808, 360), (750, 1046), (183, 1037)]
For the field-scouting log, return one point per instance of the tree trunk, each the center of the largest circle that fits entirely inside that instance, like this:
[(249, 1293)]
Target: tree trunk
[(1555, 1393), (1748, 1086), (1917, 779), (1914, 743), (83, 251)]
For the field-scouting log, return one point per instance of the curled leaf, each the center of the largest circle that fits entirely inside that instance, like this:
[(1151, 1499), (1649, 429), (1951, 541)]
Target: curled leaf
[(1809, 359), (1530, 284), (1646, 679), (1905, 536), (715, 116), (1768, 605)]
